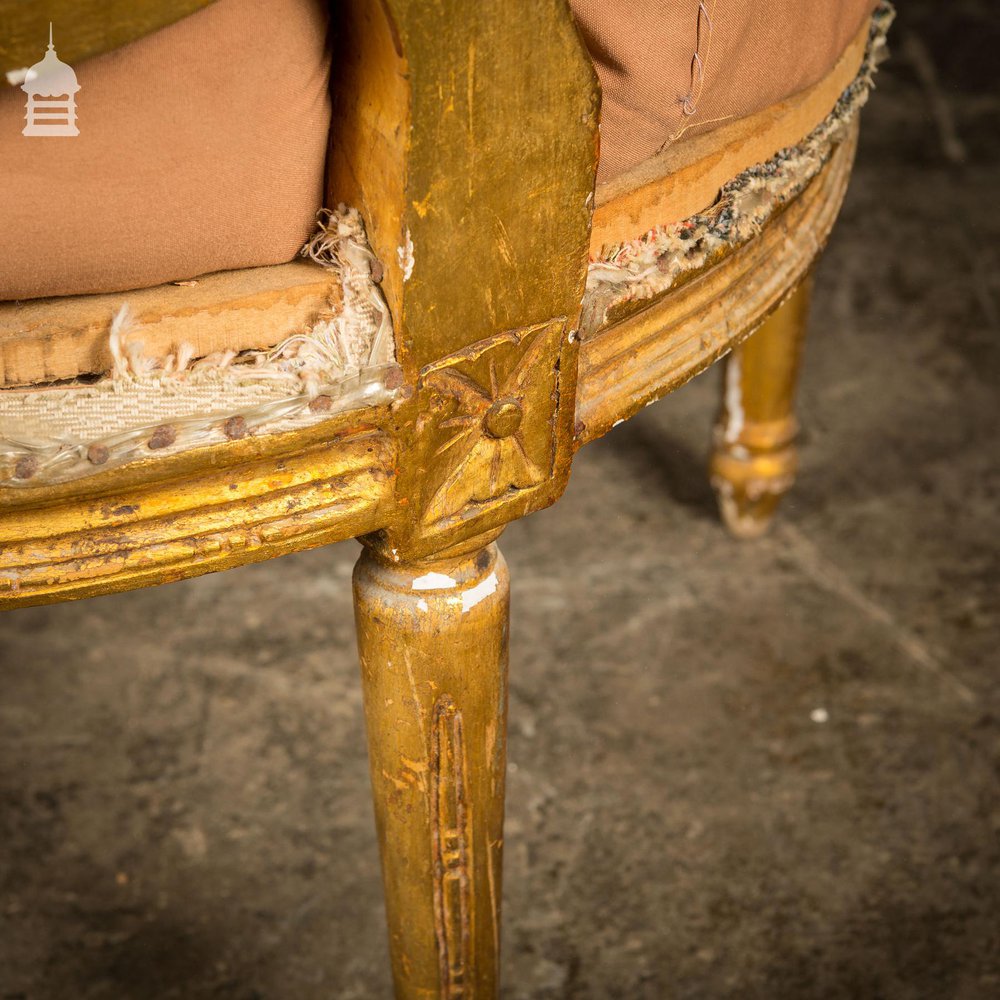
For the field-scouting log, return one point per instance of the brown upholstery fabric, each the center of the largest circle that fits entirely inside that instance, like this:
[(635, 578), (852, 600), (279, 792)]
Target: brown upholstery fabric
[(201, 147), (750, 54)]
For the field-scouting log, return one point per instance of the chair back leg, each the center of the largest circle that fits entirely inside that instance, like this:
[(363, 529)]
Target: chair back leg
[(754, 458)]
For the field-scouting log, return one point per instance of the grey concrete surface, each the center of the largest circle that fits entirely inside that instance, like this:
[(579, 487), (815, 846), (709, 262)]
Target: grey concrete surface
[(737, 770)]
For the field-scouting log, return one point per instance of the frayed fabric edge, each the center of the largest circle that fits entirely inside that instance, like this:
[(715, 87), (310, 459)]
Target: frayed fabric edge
[(343, 363), (650, 265)]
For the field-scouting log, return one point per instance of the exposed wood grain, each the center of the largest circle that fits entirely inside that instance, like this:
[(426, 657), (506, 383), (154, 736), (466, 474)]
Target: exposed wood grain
[(488, 114), (686, 177), (370, 131), (44, 340), (468, 135)]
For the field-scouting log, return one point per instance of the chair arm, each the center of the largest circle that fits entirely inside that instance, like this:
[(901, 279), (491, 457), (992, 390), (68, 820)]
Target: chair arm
[(466, 133)]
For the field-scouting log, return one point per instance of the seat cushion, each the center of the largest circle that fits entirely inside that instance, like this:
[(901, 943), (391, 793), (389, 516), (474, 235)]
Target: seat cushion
[(673, 68), (201, 148), (173, 369)]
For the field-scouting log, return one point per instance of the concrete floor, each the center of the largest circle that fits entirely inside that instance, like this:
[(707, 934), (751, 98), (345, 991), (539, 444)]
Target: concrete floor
[(184, 805)]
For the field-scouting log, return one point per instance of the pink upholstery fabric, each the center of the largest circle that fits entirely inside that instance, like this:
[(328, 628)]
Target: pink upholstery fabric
[(201, 148), (672, 68)]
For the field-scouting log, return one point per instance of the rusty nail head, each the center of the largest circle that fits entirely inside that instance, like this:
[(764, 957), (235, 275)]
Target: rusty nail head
[(26, 466), (163, 437), (235, 428), (98, 454)]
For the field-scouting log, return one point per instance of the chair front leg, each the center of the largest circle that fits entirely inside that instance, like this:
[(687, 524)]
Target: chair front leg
[(432, 637), (754, 458)]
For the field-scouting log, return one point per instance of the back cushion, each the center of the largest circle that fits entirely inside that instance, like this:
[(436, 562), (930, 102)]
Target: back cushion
[(671, 68), (201, 148)]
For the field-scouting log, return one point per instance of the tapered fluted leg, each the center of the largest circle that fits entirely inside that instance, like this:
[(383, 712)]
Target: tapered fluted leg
[(754, 457), (432, 637)]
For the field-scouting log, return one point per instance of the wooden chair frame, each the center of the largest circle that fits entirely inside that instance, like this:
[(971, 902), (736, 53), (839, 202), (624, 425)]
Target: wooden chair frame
[(467, 135)]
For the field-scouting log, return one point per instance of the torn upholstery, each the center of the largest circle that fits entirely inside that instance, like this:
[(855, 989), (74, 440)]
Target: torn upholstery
[(672, 68), (149, 406), (650, 264)]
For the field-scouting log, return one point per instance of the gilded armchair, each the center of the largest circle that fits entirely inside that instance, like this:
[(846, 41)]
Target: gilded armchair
[(424, 376)]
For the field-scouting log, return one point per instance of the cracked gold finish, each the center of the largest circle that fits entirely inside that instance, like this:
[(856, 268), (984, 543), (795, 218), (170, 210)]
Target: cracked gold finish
[(656, 348), (480, 397), (451, 847), (467, 208), (482, 442), (432, 637), (197, 512)]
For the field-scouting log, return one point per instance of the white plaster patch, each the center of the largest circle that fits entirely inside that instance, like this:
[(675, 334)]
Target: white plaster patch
[(405, 255), (734, 399), (434, 581), (15, 77), (483, 589)]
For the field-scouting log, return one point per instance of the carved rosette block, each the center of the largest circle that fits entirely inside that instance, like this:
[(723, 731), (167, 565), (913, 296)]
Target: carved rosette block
[(432, 637), (487, 440)]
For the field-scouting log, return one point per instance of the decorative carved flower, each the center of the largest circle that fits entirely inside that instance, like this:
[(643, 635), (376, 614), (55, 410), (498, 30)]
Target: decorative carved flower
[(493, 424)]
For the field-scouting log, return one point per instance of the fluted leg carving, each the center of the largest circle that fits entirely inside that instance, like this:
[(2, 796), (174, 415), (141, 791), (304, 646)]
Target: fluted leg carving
[(432, 637)]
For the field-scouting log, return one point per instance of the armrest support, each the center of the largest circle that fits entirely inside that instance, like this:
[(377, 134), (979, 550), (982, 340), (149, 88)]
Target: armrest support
[(466, 133)]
